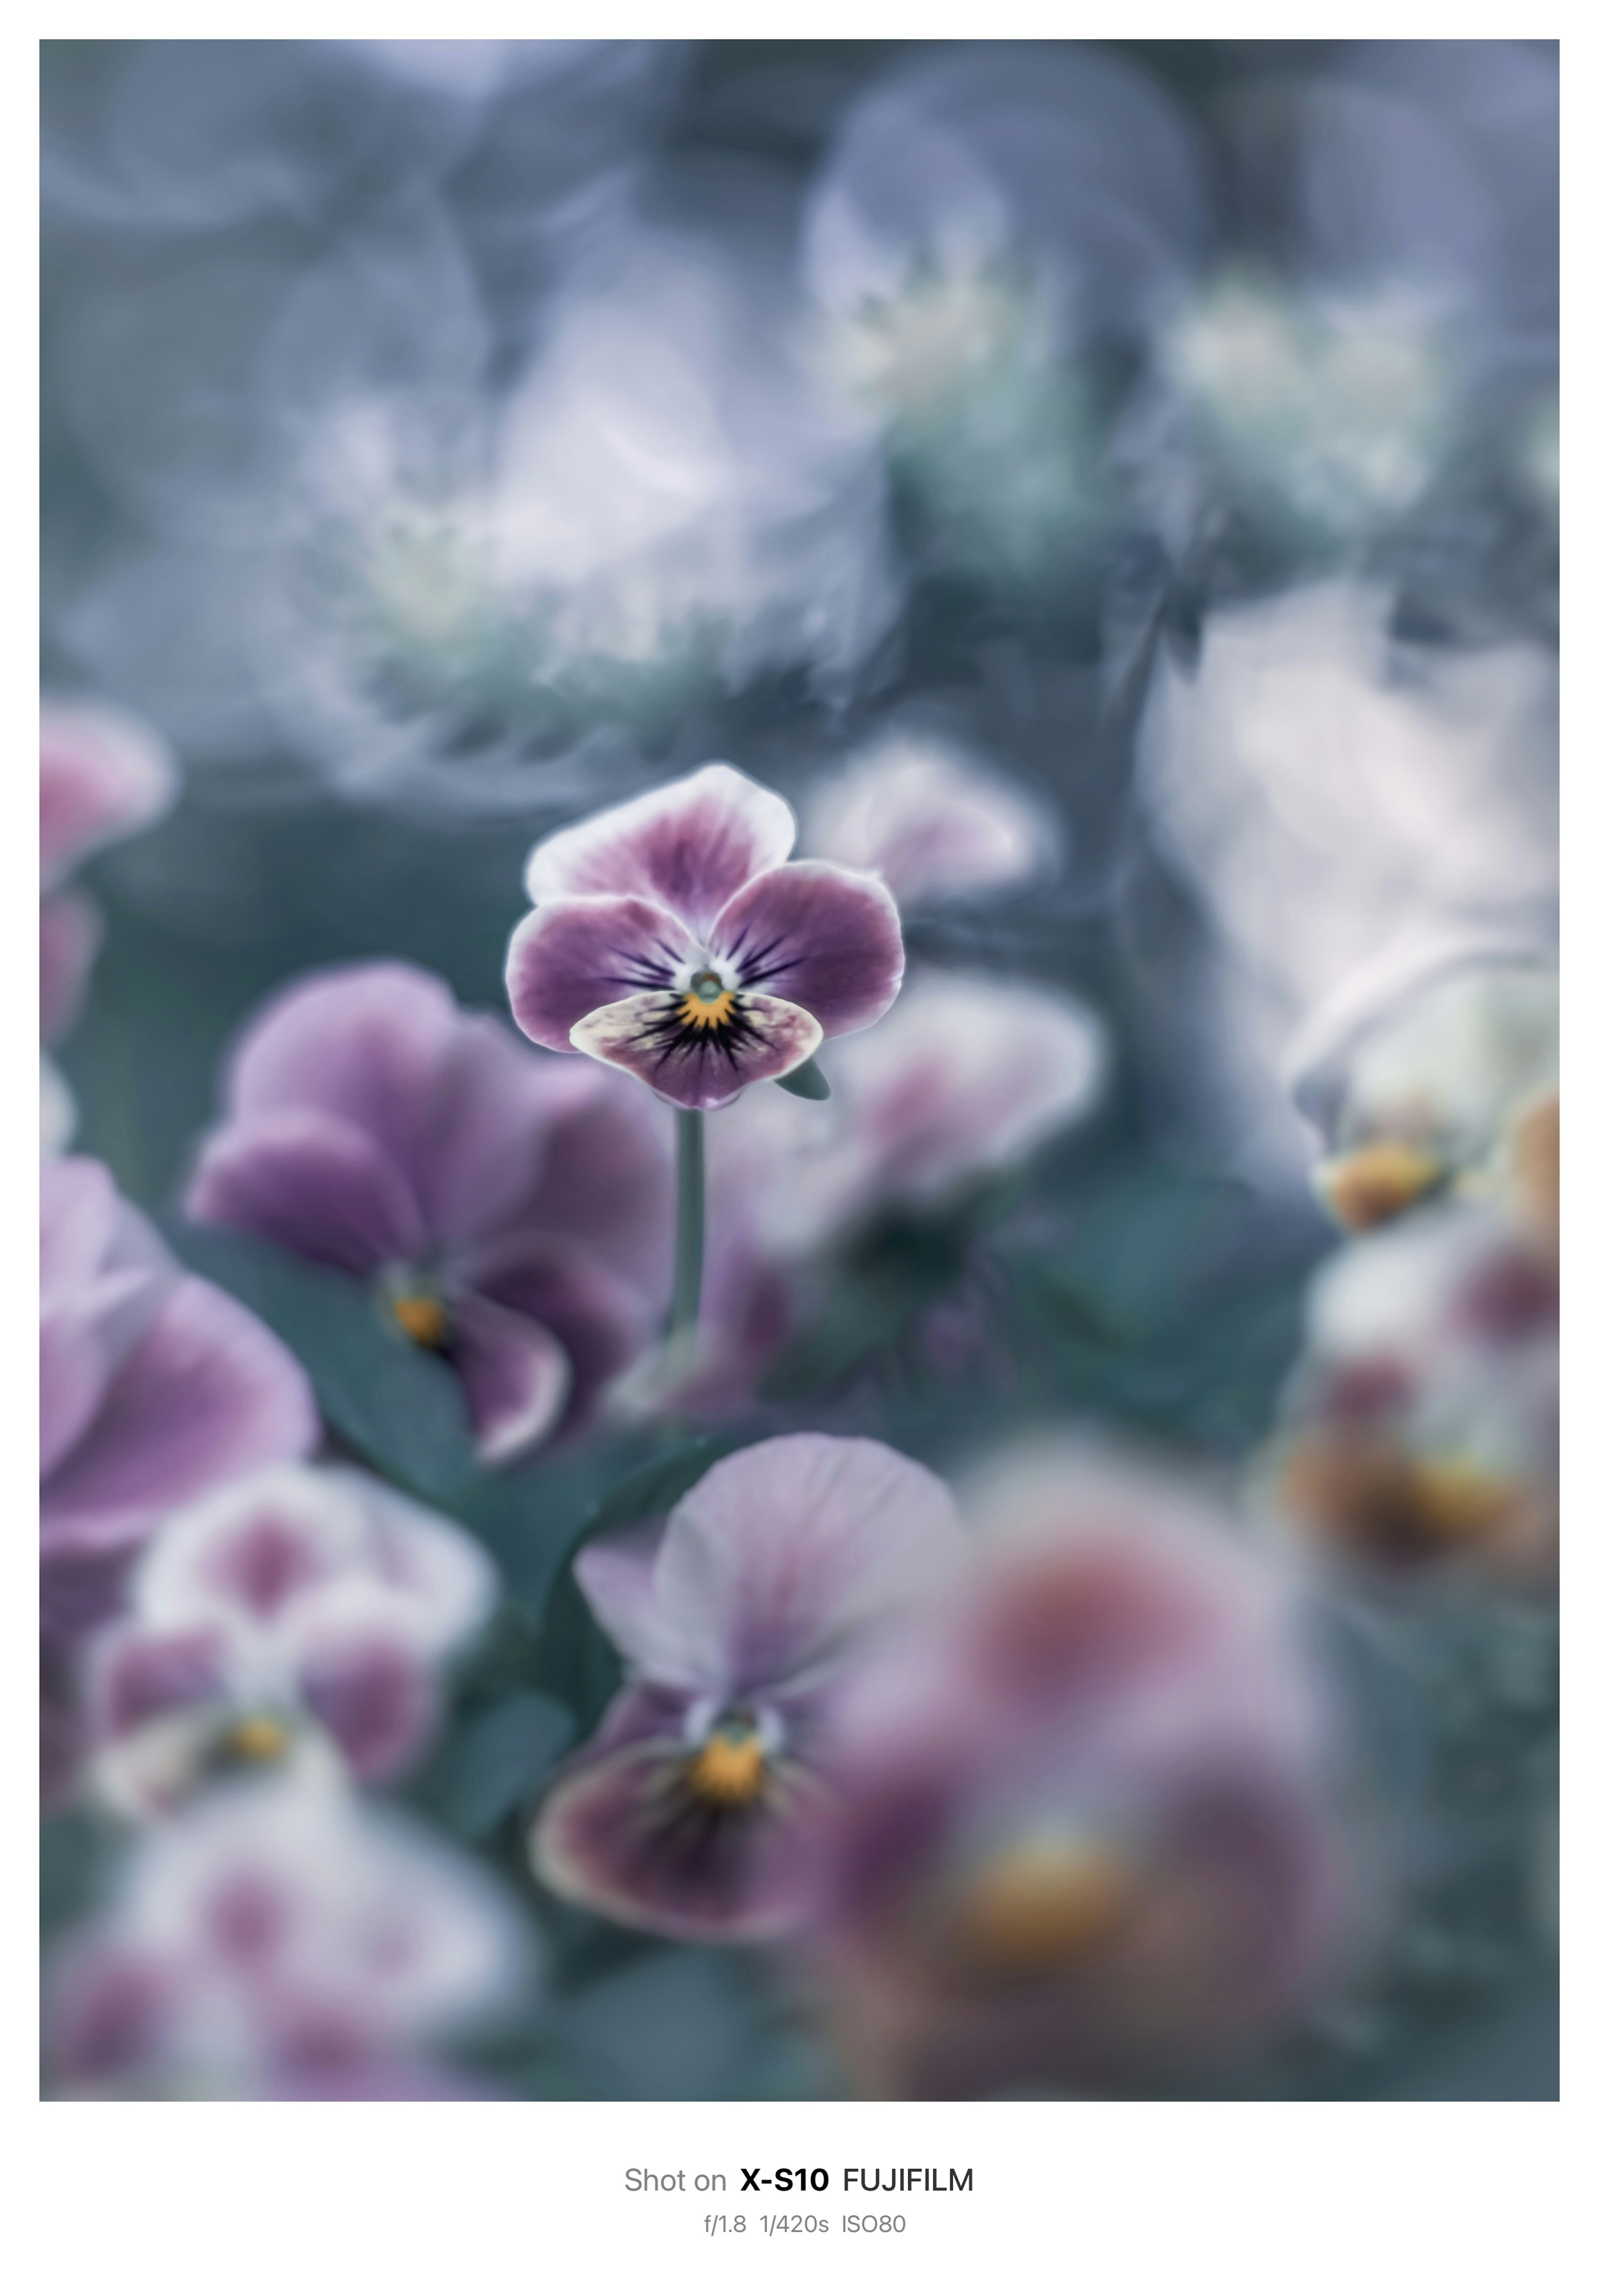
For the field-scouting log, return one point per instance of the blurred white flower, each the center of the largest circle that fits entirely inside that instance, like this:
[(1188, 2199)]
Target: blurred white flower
[(282, 1940), (1333, 795), (1338, 413), (1421, 1426), (1419, 1080), (937, 823), (984, 216), (304, 1607)]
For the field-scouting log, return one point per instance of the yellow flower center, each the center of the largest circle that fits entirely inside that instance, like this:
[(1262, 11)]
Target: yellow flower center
[(1041, 1905), (259, 1738), (421, 1319), (1376, 1182), (706, 1002), (729, 1769)]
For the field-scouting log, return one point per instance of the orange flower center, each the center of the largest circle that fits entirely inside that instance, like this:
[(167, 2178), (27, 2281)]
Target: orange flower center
[(1040, 1907), (729, 1769), (421, 1319), (706, 1004)]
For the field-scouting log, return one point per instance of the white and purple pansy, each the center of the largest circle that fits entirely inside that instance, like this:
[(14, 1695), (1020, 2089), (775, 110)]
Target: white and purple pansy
[(692, 1812), (674, 937), (304, 1612)]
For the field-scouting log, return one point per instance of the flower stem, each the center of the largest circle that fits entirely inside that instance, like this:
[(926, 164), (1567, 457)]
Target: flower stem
[(691, 1221)]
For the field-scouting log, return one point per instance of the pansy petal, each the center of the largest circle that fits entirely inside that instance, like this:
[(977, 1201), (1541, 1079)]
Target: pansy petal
[(208, 1393), (516, 1376), (102, 775), (689, 846), (134, 1674), (372, 1692), (699, 1067), (310, 1182), (607, 1176), (821, 937), (784, 1553), (570, 956), (600, 1321), (623, 1833), (362, 1042), (617, 1575), (249, 1551)]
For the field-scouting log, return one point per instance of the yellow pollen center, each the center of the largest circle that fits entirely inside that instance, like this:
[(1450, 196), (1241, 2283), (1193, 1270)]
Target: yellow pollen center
[(728, 1770), (423, 1319), (256, 1739), (706, 1004), (1375, 1182), (1040, 1906)]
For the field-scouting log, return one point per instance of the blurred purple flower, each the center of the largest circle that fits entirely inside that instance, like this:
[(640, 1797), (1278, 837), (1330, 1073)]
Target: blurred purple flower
[(305, 1603), (1080, 1840), (155, 1387), (102, 776), (281, 1941), (1422, 1424), (934, 825), (691, 1812), (674, 938), (509, 1210)]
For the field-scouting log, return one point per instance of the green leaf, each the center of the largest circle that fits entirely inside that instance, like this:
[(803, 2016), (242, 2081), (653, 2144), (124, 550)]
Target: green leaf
[(398, 1405), (495, 1760), (807, 1082)]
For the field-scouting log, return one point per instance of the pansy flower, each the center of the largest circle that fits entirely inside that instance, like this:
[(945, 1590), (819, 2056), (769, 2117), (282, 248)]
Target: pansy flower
[(1439, 1075), (507, 1210), (1421, 1426), (674, 937), (691, 1812), (282, 1939), (304, 1608), (1080, 1835), (933, 823), (155, 1387)]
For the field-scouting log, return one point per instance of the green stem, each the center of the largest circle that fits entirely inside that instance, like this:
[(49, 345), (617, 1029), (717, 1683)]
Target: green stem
[(691, 1221)]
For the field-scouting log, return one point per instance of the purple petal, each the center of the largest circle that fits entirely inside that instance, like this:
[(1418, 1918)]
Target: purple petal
[(689, 846), (607, 1178), (617, 1574), (79, 1594), (206, 1394), (365, 1043), (780, 1556), (599, 1321), (569, 958), (622, 1833), (516, 1377), (101, 775), (79, 1216), (373, 1693), (818, 936), (699, 1067), (311, 1183), (134, 1674), (68, 936), (477, 1162)]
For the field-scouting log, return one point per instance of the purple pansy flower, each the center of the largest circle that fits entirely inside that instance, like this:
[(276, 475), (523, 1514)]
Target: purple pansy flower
[(1081, 1836), (508, 1208), (155, 1387), (691, 1812), (101, 775), (304, 1607), (674, 937), (281, 1940)]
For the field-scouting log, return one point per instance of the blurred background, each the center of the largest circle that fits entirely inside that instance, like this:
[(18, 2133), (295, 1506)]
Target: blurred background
[(1110, 487)]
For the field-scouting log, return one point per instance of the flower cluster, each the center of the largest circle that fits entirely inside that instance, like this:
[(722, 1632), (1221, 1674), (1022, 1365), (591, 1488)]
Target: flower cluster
[(881, 1419)]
